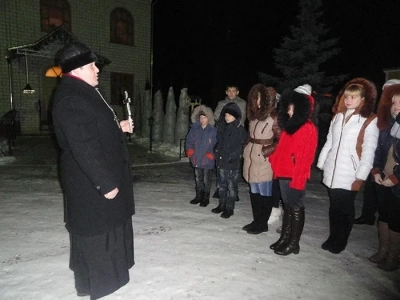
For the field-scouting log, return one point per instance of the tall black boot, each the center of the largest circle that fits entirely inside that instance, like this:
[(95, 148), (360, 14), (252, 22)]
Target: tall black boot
[(334, 223), (297, 225), (205, 200), (253, 209), (285, 231), (344, 229), (198, 198), (263, 207)]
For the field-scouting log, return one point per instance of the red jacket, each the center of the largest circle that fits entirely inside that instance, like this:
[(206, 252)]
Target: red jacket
[(295, 154)]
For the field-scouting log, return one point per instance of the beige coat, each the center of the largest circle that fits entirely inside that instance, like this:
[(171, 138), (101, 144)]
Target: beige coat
[(256, 167)]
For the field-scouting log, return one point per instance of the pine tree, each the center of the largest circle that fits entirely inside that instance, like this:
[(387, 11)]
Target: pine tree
[(300, 57)]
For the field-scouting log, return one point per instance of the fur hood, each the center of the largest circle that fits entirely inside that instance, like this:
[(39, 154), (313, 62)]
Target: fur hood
[(268, 100), (369, 102), (303, 108), (385, 104), (207, 111)]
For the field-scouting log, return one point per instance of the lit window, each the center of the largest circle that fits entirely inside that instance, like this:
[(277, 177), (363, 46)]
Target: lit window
[(121, 27), (54, 13)]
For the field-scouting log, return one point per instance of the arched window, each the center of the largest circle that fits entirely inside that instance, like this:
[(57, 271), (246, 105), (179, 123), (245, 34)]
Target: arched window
[(121, 27), (54, 13)]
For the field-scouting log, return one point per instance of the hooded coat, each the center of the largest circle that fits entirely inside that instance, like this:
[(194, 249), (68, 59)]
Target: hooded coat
[(94, 160), (230, 139), (200, 142), (295, 152), (339, 159), (263, 134)]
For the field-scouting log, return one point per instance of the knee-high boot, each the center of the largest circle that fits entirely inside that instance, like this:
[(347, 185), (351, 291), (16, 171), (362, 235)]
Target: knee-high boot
[(334, 220), (297, 225), (383, 234), (392, 260), (253, 209), (261, 221), (285, 231)]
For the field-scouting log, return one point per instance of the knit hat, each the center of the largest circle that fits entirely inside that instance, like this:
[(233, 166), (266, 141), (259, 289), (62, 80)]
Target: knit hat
[(73, 56), (390, 82), (306, 90)]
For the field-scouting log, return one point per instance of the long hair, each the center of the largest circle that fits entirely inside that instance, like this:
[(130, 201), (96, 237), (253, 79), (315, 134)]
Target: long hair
[(267, 102)]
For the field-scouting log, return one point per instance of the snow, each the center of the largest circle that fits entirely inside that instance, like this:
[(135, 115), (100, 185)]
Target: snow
[(182, 251)]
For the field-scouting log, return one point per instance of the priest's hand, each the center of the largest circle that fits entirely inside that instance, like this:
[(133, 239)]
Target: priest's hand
[(112, 194)]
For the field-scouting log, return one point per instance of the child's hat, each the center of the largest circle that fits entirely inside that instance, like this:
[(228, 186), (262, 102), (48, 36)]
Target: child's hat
[(233, 110), (306, 89), (390, 82)]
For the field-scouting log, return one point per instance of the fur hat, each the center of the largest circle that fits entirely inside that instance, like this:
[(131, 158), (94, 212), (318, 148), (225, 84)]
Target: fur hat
[(390, 82), (73, 56), (369, 98), (202, 110), (303, 104), (232, 109), (385, 104)]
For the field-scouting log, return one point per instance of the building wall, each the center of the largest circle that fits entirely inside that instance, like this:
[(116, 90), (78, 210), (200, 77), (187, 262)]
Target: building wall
[(90, 24)]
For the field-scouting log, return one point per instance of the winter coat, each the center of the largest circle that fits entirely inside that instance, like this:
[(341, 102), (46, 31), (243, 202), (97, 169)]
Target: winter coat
[(230, 140), (385, 142), (256, 165), (94, 160), (346, 160), (200, 142), (239, 101), (295, 152)]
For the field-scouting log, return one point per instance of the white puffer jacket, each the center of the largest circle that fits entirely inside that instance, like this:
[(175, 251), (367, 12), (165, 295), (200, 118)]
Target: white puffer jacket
[(339, 159)]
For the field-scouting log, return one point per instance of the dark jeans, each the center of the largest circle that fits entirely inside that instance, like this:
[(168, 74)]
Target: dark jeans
[(295, 202), (228, 187), (276, 193), (203, 179), (370, 204), (389, 207)]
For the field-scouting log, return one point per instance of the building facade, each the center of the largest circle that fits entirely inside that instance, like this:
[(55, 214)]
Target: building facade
[(118, 31)]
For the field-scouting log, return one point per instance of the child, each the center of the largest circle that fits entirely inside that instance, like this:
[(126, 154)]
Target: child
[(386, 174), (200, 143), (347, 156), (230, 139), (232, 95), (291, 163), (263, 134)]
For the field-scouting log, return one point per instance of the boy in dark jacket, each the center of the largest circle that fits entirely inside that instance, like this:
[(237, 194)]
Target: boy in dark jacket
[(200, 143), (230, 139)]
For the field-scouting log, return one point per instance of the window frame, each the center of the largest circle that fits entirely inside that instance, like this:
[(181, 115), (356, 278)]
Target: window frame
[(122, 28)]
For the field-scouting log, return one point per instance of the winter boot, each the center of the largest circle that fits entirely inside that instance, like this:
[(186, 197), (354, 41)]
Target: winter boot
[(344, 229), (227, 213), (285, 229), (263, 209), (198, 198), (392, 260), (333, 229), (216, 194), (220, 208), (206, 199), (275, 215), (297, 225), (383, 234), (253, 209)]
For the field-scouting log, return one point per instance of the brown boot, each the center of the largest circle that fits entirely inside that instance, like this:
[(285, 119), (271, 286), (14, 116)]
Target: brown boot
[(392, 260), (383, 234)]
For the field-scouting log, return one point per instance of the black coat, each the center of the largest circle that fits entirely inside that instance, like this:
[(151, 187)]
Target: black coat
[(94, 160)]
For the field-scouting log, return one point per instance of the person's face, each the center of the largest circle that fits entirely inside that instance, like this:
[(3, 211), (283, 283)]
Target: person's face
[(88, 73), (290, 110), (259, 100), (203, 120), (232, 92), (395, 109), (353, 100), (229, 118)]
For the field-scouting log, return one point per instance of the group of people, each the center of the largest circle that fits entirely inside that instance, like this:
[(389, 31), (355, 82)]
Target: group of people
[(280, 146)]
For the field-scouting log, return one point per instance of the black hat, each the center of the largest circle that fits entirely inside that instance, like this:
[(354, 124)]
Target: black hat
[(73, 56), (232, 109)]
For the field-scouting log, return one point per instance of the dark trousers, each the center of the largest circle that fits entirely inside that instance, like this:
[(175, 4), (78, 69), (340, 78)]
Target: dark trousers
[(203, 180), (370, 204), (276, 193), (294, 202), (389, 207), (342, 201), (228, 187)]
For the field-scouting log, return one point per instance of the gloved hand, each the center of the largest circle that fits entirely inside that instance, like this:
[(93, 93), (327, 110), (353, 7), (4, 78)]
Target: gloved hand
[(210, 156)]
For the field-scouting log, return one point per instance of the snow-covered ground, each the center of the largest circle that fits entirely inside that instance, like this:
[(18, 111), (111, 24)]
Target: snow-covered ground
[(182, 251)]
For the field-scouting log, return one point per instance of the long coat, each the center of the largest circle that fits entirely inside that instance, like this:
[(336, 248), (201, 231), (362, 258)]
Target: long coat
[(94, 159)]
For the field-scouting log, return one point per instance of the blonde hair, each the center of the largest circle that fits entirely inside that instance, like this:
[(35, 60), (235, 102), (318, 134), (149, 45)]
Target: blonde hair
[(356, 88)]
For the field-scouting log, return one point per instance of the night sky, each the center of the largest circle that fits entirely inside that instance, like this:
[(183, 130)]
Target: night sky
[(206, 44)]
